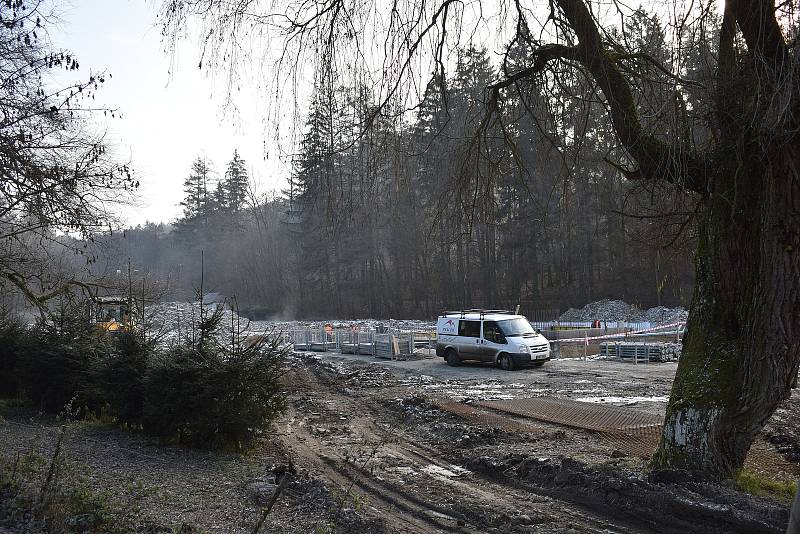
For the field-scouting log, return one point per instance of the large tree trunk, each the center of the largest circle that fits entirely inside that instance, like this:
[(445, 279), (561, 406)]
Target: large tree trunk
[(742, 344)]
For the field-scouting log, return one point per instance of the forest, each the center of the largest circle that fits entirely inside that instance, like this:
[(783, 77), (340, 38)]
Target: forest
[(415, 215)]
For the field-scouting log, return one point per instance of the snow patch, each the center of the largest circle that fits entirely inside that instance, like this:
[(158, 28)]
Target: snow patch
[(404, 470), (623, 400), (436, 471)]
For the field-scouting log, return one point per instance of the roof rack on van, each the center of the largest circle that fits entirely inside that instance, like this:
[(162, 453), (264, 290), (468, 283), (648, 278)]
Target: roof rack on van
[(480, 311)]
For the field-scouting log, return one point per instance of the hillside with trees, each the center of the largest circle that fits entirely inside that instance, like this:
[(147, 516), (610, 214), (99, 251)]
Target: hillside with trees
[(406, 219)]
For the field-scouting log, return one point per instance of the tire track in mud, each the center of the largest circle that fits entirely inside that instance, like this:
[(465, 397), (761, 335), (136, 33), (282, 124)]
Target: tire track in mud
[(486, 502), (392, 505), (307, 451)]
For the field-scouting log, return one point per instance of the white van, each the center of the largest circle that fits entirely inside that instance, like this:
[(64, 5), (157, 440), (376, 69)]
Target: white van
[(495, 336)]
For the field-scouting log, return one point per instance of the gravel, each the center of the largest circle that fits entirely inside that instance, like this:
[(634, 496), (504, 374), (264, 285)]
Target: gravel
[(618, 310), (175, 319)]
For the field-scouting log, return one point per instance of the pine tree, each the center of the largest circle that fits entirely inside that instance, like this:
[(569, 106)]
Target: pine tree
[(197, 203), (314, 165), (311, 191), (220, 198), (234, 186)]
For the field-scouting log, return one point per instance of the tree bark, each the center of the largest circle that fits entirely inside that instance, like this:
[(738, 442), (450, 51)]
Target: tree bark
[(742, 344)]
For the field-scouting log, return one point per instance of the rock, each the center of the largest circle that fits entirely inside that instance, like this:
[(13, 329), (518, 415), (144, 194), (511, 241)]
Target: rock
[(618, 454), (260, 491)]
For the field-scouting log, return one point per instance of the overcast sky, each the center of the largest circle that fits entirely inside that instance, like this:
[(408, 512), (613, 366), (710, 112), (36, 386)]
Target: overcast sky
[(167, 120), (170, 118)]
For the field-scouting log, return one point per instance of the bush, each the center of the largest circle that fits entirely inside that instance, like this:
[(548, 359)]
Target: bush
[(206, 395), (118, 376), (54, 368), (13, 338), (199, 393)]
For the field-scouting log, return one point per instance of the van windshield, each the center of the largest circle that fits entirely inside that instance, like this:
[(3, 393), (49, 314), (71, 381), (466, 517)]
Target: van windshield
[(516, 328)]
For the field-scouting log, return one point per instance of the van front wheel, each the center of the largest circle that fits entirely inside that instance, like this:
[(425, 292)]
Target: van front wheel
[(506, 363), (452, 358)]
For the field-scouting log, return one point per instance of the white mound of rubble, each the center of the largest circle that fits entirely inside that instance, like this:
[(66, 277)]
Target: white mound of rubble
[(363, 325), (618, 310), (175, 319)]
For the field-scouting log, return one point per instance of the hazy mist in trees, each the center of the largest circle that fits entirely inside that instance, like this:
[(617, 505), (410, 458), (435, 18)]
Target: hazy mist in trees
[(410, 217)]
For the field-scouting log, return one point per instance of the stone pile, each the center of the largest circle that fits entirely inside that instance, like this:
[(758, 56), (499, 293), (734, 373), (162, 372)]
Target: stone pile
[(618, 310)]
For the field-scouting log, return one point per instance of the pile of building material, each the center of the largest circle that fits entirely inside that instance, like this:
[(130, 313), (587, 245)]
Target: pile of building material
[(618, 310), (640, 352), (394, 345), (361, 325)]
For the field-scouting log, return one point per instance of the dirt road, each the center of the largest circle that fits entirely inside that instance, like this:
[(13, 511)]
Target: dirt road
[(374, 431), (359, 442)]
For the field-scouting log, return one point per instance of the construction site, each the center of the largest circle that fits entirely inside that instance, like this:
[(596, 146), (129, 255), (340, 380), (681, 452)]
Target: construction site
[(383, 436), (346, 266), (560, 448)]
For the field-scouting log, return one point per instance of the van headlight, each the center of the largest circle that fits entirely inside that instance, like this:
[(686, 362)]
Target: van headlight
[(523, 348)]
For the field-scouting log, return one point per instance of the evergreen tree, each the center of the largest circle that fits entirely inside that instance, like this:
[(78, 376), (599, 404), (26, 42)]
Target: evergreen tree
[(234, 187), (312, 171), (197, 204), (220, 198)]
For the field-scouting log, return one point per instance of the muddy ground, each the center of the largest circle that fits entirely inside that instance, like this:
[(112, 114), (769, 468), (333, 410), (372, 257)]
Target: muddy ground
[(408, 446)]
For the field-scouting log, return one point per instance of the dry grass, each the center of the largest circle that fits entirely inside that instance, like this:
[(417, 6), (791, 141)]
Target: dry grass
[(52, 494), (763, 486)]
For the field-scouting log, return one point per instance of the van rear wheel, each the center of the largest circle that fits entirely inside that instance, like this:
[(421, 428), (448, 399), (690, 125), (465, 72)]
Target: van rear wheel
[(452, 358), (506, 363)]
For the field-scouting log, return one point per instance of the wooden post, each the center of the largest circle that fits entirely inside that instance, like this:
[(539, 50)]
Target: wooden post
[(585, 344)]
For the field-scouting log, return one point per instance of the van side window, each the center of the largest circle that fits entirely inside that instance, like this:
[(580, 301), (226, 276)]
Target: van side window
[(469, 328), (491, 332)]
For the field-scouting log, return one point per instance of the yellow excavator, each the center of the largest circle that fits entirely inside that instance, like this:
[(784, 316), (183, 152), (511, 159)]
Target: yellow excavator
[(113, 315)]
